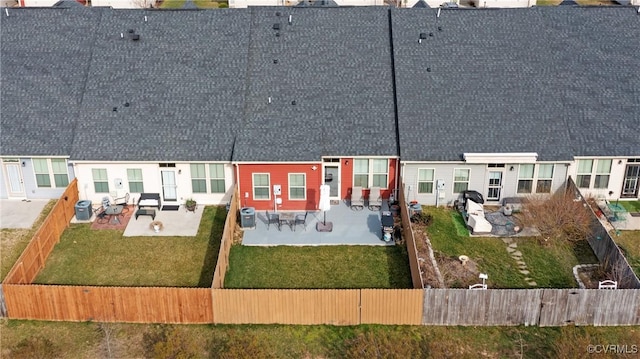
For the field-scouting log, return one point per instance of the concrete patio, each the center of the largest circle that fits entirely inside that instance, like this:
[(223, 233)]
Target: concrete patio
[(181, 223), (350, 227), (15, 213)]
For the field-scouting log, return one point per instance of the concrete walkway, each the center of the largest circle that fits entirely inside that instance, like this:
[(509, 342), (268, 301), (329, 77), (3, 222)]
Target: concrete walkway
[(15, 213), (180, 223)]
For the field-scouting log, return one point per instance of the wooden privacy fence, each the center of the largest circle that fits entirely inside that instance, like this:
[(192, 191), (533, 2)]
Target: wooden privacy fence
[(317, 306), (542, 307), (412, 250), (109, 304), (222, 265), (32, 259), (606, 249)]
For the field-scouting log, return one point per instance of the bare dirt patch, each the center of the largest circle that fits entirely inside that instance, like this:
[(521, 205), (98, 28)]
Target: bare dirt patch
[(455, 274)]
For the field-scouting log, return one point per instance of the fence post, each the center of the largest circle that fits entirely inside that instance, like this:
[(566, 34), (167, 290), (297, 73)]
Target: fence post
[(3, 305)]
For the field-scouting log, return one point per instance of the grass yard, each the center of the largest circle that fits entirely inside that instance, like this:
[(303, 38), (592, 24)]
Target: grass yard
[(14, 241), (318, 267), (105, 257), (31, 339), (630, 206), (629, 243), (549, 266)]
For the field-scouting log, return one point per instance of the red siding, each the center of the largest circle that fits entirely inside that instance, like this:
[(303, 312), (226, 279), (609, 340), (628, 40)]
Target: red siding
[(347, 178), (279, 174)]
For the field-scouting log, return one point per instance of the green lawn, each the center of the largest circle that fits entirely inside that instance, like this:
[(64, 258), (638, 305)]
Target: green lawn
[(172, 4), (105, 257), (549, 266), (318, 267), (14, 241), (630, 206), (629, 242)]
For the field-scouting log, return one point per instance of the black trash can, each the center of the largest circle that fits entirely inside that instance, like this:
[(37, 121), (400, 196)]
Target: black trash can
[(247, 217), (83, 210)]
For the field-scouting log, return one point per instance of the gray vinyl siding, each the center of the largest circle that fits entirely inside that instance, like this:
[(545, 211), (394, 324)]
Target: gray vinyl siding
[(478, 180)]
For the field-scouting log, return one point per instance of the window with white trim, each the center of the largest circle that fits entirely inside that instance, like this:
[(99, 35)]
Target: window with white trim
[(216, 175), (425, 180), (545, 177), (100, 180), (460, 180), (603, 171), (45, 169), (583, 178), (261, 187), (371, 172), (198, 178), (297, 186), (525, 178), (134, 177)]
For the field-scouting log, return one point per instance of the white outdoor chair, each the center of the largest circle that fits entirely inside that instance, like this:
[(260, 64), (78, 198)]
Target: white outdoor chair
[(357, 199), (375, 199)]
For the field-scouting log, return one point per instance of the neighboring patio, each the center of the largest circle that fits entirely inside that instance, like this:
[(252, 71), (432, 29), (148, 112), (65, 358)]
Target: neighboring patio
[(350, 227)]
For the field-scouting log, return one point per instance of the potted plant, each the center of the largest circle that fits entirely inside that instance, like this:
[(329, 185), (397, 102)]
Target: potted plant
[(190, 204)]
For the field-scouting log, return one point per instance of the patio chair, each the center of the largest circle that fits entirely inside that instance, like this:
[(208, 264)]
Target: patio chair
[(357, 199), (375, 199), (300, 219), (122, 201), (273, 218), (101, 215)]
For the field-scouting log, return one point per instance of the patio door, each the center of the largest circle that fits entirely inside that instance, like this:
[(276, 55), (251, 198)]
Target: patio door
[(331, 177), (495, 185), (631, 181), (169, 192), (15, 185)]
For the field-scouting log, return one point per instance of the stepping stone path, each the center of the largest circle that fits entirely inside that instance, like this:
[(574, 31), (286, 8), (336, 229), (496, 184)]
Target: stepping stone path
[(517, 256)]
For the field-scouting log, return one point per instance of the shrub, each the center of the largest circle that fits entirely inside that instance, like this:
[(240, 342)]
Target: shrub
[(173, 342), (36, 347), (239, 345)]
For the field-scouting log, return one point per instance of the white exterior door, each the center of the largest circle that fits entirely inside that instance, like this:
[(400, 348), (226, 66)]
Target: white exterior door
[(169, 192), (331, 177), (15, 185), (631, 181), (495, 185)]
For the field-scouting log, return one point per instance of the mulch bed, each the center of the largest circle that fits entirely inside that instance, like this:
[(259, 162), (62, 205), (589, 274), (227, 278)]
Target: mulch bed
[(124, 220)]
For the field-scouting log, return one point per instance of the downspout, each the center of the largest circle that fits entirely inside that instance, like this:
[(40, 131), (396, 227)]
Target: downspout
[(238, 184)]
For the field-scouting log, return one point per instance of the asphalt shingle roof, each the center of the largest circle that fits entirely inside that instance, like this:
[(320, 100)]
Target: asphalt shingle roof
[(335, 63), (43, 67), (184, 81), (560, 81)]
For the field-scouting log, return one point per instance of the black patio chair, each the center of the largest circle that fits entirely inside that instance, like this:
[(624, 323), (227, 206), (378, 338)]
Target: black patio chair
[(101, 215), (273, 218), (300, 219)]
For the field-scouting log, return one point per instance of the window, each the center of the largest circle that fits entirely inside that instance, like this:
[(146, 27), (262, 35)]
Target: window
[(41, 168), (216, 173), (583, 178), (44, 169), (380, 167), (545, 176), (370, 173), (134, 176), (361, 173), (425, 180), (198, 178), (460, 180), (60, 176), (261, 186), (525, 178), (100, 181), (603, 169), (297, 186)]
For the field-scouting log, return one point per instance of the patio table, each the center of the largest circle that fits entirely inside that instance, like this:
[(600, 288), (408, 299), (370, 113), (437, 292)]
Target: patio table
[(113, 212), (287, 218), (617, 210)]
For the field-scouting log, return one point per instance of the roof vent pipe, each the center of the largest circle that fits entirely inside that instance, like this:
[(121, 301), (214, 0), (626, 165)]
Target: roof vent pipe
[(289, 19), (6, 11), (438, 12), (145, 18)]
